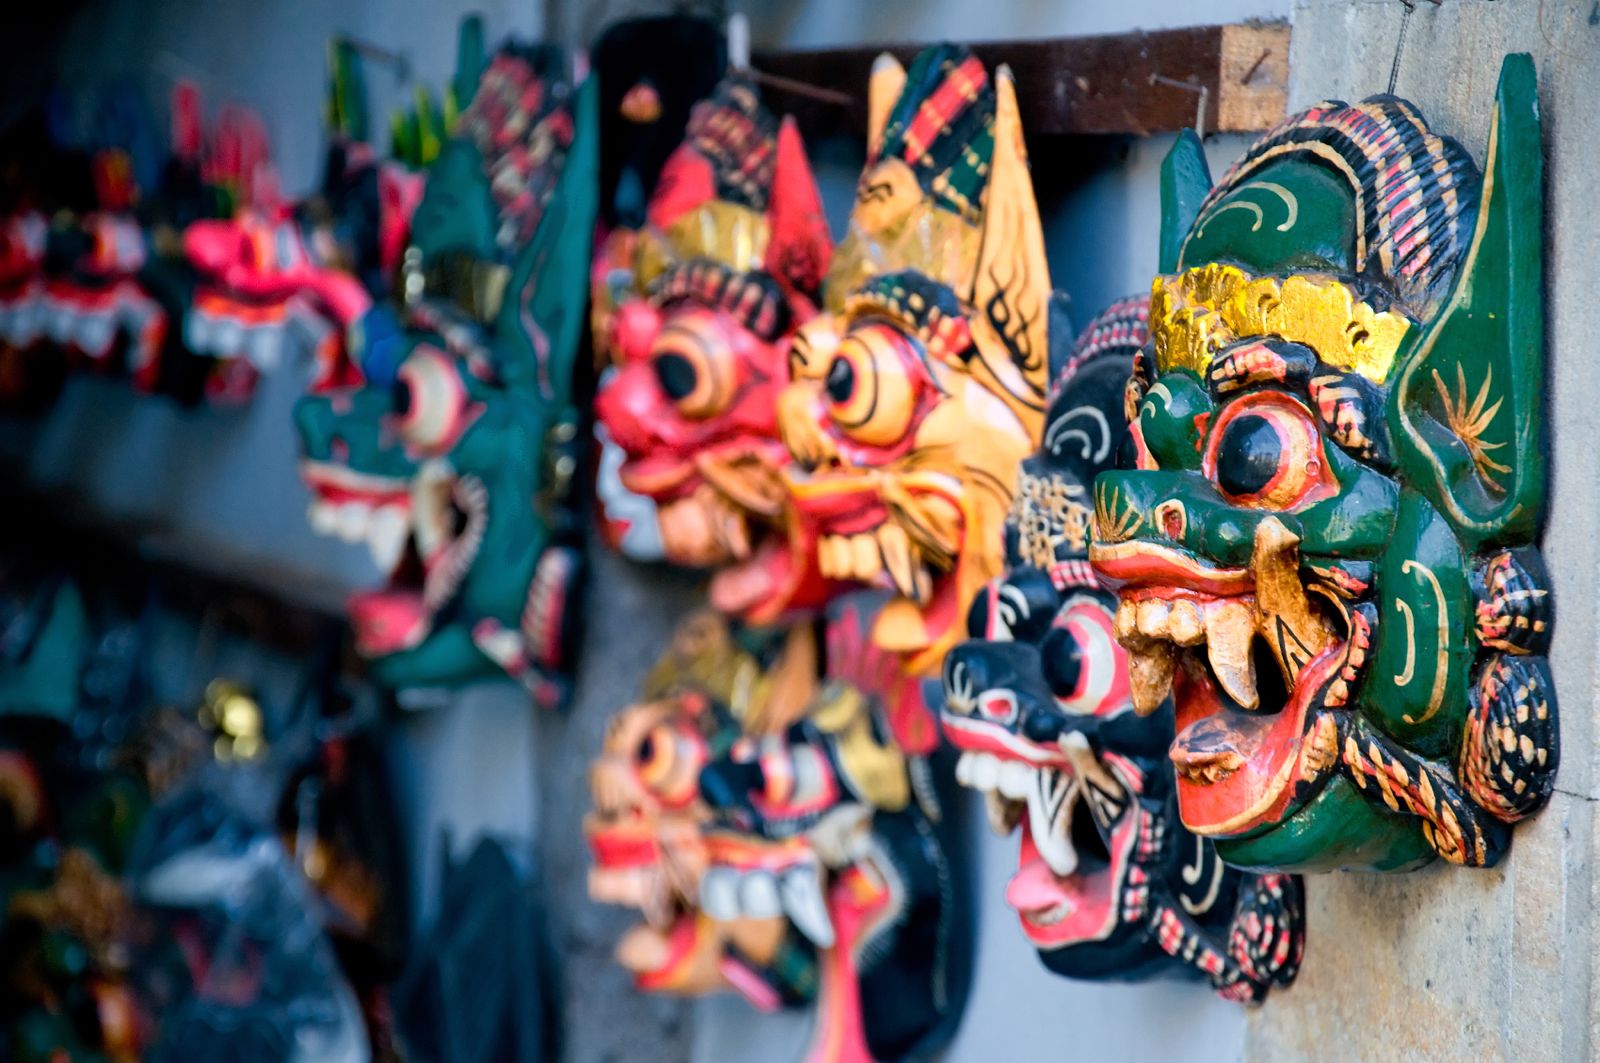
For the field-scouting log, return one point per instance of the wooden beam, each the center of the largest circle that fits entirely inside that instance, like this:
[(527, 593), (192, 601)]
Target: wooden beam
[(1129, 83)]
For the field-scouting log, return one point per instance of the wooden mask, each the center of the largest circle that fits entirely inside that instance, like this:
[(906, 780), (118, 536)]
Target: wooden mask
[(1328, 550)]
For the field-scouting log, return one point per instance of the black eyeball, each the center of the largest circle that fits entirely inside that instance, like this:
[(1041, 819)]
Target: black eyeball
[(676, 375), (1063, 662), (1248, 455), (841, 382)]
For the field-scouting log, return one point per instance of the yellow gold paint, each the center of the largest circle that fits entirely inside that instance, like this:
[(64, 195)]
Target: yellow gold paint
[(1049, 512), (1195, 314), (724, 232)]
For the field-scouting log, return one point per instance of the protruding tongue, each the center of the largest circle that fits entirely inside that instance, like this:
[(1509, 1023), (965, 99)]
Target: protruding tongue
[(739, 588), (1035, 888), (1049, 819), (387, 621)]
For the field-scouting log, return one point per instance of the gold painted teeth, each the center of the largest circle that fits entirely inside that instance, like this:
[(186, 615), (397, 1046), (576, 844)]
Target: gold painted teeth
[(1151, 629), (886, 551)]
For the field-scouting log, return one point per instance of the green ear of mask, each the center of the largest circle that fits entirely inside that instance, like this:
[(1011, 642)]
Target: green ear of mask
[(1185, 181), (1466, 402), (550, 280), (346, 115)]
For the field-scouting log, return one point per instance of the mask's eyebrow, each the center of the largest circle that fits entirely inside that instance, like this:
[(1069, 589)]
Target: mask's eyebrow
[(1261, 360)]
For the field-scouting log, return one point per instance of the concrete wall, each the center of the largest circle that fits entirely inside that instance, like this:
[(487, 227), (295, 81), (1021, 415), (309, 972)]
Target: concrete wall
[(1494, 965)]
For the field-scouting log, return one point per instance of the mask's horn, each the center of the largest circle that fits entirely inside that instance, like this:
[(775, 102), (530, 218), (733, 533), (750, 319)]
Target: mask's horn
[(1467, 398), (799, 245), (1011, 289), (1185, 182), (887, 81)]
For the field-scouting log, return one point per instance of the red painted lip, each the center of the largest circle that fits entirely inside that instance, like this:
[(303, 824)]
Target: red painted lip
[(1270, 745), (388, 621), (1137, 563), (662, 477), (975, 736), (619, 848), (681, 942), (336, 483)]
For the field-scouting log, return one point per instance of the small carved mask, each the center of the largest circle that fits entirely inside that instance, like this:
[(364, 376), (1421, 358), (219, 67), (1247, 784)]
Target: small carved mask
[(645, 832)]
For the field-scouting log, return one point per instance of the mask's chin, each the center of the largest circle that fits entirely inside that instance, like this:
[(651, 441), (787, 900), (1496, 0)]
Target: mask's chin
[(428, 558)]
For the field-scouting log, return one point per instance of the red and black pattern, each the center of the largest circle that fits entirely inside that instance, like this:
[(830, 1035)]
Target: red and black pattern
[(943, 128), (754, 299), (739, 137), (1416, 192)]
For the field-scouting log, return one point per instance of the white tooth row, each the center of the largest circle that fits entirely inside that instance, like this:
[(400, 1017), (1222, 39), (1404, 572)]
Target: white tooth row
[(382, 528), (885, 554), (1048, 794), (985, 771), (727, 893)]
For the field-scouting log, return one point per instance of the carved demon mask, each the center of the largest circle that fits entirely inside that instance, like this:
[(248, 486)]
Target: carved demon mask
[(645, 832), (1327, 552), (729, 265), (915, 400), (1109, 885), (454, 467), (814, 815)]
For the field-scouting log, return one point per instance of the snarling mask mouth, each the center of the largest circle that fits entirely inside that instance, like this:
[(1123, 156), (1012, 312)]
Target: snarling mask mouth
[(422, 521), (1325, 552), (648, 837)]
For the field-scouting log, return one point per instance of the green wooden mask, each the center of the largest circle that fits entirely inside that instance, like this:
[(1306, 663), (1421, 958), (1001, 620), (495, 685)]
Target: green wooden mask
[(1327, 552)]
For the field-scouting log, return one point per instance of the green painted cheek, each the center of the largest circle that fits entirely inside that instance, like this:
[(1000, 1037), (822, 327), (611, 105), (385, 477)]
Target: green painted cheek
[(1415, 689), (1339, 829), (1170, 419), (1357, 522)]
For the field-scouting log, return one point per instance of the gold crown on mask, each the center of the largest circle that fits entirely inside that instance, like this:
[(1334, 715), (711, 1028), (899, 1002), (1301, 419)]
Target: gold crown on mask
[(1195, 314), (727, 233)]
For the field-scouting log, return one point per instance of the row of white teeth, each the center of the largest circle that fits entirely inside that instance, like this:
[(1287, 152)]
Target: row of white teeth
[(727, 893), (886, 551), (1010, 787), (445, 573), (383, 528), (1152, 630), (263, 346)]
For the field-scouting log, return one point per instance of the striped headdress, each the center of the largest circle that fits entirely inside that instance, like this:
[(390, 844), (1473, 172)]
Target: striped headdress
[(1416, 193)]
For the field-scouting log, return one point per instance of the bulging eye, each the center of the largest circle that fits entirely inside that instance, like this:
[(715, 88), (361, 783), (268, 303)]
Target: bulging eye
[(873, 384), (430, 400), (669, 760), (693, 358), (1266, 453)]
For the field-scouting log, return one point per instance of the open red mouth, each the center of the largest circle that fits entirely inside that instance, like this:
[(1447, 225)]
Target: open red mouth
[(1068, 879), (424, 533), (1236, 768), (1249, 658)]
